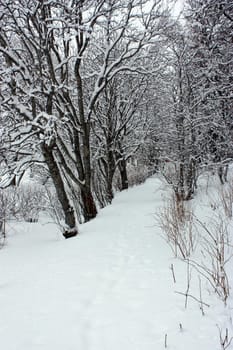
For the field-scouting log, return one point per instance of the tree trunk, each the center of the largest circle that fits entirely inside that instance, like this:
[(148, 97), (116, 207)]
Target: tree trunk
[(88, 205), (222, 173), (109, 194), (83, 151), (110, 170), (60, 190), (123, 174), (190, 179)]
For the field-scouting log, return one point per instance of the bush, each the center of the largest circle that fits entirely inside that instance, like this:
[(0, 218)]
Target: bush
[(137, 174), (21, 203), (176, 222)]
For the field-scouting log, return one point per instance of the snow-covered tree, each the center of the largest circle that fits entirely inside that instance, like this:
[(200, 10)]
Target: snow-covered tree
[(58, 58), (119, 127), (210, 28)]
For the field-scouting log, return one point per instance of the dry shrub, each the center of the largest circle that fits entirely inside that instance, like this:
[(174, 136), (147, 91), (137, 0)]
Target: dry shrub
[(216, 247), (181, 228), (224, 339), (176, 222)]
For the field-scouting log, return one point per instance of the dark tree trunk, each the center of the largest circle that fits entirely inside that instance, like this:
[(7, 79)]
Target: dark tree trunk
[(109, 194), (123, 174), (191, 179), (88, 205), (222, 173), (110, 170), (83, 151), (60, 190)]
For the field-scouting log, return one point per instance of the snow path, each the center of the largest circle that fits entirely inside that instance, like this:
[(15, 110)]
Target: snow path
[(108, 288)]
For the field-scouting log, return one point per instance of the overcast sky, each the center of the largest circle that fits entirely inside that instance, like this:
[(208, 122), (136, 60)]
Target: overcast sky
[(178, 7)]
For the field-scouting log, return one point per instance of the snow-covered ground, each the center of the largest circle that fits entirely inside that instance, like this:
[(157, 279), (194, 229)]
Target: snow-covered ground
[(109, 288)]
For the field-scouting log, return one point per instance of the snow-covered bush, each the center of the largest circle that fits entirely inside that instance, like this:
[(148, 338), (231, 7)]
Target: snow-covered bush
[(137, 174), (31, 202), (21, 203), (8, 203)]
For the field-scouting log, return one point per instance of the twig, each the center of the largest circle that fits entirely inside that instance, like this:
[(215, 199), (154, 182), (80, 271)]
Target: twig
[(173, 273), (191, 296), (201, 303), (165, 341), (225, 342), (188, 284)]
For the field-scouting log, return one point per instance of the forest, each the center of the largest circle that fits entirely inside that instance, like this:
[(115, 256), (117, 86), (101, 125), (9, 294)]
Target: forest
[(116, 126), (98, 95)]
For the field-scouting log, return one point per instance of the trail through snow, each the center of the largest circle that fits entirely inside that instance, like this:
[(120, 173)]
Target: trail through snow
[(109, 288)]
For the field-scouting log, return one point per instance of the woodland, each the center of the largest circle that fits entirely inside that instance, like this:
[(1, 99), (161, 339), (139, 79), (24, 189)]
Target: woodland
[(116, 129), (97, 96)]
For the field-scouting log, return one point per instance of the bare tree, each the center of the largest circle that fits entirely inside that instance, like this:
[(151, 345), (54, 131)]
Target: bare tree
[(58, 58), (180, 133), (119, 128), (210, 29)]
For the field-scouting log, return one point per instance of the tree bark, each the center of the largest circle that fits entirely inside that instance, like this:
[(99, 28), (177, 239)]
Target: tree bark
[(60, 190), (88, 205), (123, 174), (110, 167), (83, 153)]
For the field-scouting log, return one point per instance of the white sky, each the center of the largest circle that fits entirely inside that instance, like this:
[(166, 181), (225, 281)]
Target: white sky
[(178, 7)]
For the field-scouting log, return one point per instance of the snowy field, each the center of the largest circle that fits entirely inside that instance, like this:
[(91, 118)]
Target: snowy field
[(109, 288)]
